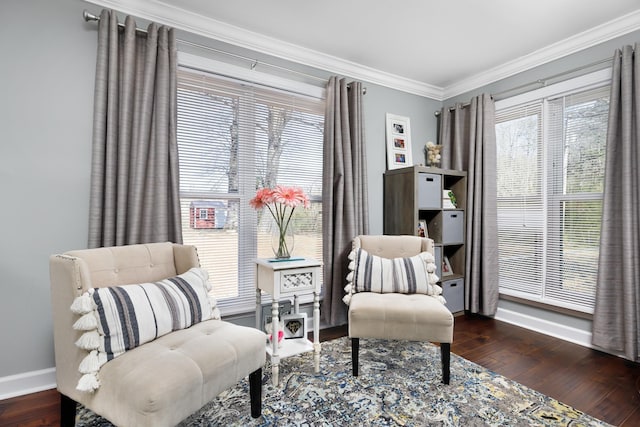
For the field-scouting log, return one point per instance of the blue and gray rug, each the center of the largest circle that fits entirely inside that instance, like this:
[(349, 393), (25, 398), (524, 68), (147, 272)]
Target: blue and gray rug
[(399, 385)]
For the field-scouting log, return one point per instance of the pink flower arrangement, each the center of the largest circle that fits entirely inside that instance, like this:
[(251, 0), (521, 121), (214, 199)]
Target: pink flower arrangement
[(281, 202)]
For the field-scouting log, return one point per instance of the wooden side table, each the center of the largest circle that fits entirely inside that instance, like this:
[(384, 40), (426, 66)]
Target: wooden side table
[(290, 278)]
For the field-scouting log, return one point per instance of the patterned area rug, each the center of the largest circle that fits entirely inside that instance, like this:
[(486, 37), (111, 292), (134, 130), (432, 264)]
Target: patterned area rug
[(399, 385)]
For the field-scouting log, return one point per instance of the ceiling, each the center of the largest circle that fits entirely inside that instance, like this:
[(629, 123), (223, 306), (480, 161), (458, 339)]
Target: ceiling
[(435, 48)]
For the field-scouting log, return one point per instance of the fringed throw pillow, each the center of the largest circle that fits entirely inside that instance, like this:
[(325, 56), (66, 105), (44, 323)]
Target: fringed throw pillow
[(119, 318), (412, 275)]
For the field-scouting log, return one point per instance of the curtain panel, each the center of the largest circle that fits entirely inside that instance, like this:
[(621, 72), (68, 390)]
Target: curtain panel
[(344, 188), (467, 135), (616, 317), (134, 175)]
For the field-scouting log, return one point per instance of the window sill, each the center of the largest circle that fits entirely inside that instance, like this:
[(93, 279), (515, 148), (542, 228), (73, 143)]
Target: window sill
[(548, 307)]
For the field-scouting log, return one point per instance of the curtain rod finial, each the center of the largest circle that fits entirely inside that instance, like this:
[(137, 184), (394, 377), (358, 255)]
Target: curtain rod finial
[(88, 16)]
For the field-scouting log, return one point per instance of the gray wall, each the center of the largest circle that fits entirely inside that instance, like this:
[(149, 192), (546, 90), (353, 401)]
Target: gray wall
[(46, 105), (379, 101), (583, 58)]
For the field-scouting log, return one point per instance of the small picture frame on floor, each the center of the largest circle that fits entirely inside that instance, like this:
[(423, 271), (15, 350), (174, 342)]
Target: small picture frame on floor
[(446, 266), (295, 325), (422, 228)]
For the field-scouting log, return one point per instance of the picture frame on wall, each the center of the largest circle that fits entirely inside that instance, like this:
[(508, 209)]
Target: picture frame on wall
[(398, 142)]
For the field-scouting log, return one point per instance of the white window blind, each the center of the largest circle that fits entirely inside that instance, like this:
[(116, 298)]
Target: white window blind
[(551, 154), (234, 137)]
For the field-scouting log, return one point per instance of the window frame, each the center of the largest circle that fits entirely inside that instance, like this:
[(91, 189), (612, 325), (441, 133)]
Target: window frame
[(552, 202), (245, 302)]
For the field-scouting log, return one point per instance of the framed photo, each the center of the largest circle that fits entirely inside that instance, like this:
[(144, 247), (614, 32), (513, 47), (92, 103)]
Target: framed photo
[(398, 142), (295, 325), (422, 228), (446, 266)]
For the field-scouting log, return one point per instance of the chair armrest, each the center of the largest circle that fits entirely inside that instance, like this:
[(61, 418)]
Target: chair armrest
[(185, 257), (67, 282)]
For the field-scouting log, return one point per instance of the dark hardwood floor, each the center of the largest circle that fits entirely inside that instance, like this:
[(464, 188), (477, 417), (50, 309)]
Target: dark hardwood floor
[(604, 386)]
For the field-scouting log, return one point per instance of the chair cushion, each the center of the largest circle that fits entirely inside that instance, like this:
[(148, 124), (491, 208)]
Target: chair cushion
[(410, 275), (399, 316), (166, 380), (119, 318)]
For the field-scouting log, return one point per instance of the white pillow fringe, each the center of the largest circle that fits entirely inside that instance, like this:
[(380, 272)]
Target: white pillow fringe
[(88, 383), (83, 304), (433, 278), (91, 363), (352, 255), (205, 274), (89, 340), (347, 299), (87, 322)]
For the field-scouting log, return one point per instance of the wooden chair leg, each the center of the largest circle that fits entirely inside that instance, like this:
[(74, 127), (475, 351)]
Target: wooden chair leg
[(355, 347), (445, 351), (67, 411), (255, 392)]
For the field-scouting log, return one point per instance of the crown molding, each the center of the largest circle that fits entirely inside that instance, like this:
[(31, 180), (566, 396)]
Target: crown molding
[(167, 14), (592, 37), (164, 13)]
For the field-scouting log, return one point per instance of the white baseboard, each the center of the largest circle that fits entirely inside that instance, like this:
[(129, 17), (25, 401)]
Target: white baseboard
[(546, 327), (27, 382)]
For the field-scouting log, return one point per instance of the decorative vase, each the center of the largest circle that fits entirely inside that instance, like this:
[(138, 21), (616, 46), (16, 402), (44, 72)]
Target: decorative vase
[(433, 155), (282, 240)]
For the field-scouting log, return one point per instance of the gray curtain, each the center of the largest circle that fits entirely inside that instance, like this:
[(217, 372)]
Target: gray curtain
[(469, 143), (344, 191), (134, 176), (616, 318)]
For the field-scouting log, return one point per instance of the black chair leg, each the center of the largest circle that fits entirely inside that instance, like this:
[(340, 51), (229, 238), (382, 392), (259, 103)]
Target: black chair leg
[(255, 392), (67, 411), (445, 351), (355, 347)]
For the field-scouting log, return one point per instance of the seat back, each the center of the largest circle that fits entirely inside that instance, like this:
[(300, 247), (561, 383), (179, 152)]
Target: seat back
[(72, 273), (393, 246)]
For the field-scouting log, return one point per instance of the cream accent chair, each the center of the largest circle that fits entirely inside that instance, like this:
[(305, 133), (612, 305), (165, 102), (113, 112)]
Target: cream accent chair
[(394, 316), (163, 381)]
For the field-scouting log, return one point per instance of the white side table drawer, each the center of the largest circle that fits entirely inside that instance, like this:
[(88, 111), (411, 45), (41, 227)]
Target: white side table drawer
[(298, 280)]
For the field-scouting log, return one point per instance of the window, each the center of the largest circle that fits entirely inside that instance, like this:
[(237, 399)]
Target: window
[(551, 156), (202, 214), (234, 137)]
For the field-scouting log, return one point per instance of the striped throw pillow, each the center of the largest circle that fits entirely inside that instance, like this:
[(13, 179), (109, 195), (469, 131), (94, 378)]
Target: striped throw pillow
[(371, 273), (119, 318)]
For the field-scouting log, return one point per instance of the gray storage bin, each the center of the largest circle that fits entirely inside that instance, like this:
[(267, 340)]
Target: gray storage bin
[(453, 292), (452, 227), (429, 191)]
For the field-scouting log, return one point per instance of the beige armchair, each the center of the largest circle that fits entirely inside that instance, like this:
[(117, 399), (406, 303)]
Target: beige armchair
[(162, 382), (399, 316)]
